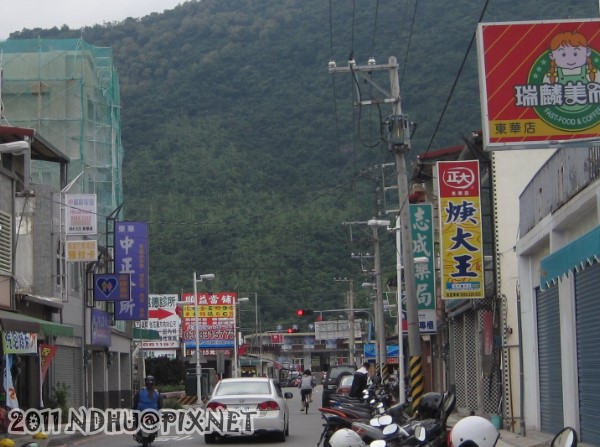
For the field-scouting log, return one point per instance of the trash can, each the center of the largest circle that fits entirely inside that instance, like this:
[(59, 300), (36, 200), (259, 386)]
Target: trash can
[(190, 383)]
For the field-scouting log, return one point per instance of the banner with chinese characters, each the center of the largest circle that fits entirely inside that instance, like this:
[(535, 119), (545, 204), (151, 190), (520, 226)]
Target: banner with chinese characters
[(461, 244), (539, 82), (164, 317), (81, 214), (215, 320), (421, 222), (131, 256), (17, 342), (82, 251)]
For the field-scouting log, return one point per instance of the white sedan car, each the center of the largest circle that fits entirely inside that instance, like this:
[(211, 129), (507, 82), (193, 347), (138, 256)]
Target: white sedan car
[(261, 397)]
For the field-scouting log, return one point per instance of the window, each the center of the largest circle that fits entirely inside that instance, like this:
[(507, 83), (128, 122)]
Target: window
[(5, 242)]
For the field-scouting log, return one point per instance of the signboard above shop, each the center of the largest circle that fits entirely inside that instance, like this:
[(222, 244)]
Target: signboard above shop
[(539, 83)]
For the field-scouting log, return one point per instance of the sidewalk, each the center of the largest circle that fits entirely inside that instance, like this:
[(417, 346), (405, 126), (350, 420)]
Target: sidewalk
[(510, 439)]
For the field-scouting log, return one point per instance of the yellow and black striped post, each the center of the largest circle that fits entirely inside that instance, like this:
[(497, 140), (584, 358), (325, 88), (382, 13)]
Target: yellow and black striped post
[(385, 374), (415, 369)]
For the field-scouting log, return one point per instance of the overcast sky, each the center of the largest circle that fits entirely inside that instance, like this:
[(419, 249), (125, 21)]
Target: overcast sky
[(18, 14)]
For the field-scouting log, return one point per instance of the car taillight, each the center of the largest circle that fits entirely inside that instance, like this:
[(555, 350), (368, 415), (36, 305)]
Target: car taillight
[(216, 406), (269, 405)]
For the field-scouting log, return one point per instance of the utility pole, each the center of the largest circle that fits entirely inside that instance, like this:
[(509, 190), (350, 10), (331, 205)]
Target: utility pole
[(350, 304), (379, 312), (398, 143)]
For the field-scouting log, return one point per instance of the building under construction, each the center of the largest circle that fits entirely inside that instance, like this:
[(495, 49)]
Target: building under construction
[(66, 92)]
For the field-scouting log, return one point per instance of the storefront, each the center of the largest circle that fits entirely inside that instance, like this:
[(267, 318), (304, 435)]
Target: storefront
[(23, 338)]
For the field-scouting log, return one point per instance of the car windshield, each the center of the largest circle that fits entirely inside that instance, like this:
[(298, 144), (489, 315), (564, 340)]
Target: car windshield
[(240, 387)]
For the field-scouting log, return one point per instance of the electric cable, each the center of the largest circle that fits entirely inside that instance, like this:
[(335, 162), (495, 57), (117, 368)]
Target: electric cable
[(462, 65)]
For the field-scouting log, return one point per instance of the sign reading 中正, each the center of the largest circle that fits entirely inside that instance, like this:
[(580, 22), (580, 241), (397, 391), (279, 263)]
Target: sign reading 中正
[(82, 251), (421, 222), (215, 320), (461, 248), (539, 82), (112, 286), (131, 256), (80, 214)]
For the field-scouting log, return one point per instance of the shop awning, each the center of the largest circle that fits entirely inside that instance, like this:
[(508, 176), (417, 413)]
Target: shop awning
[(45, 300), (11, 321), (574, 256)]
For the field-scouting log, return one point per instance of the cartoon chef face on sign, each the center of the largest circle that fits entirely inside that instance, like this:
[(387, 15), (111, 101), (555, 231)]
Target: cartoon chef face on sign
[(570, 59)]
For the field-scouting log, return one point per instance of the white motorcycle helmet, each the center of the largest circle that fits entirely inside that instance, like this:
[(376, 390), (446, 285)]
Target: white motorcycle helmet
[(474, 431), (344, 437)]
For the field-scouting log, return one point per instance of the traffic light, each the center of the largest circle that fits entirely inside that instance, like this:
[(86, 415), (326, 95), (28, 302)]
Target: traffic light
[(292, 330), (304, 312)]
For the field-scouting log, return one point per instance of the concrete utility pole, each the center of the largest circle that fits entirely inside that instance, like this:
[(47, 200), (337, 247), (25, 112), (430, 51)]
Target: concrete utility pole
[(350, 304), (379, 312), (399, 144)]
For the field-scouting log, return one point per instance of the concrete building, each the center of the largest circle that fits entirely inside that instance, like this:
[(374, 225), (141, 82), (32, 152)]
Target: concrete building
[(68, 91), (559, 278)]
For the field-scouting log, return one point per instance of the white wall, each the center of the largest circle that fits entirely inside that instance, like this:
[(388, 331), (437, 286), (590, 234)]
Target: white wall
[(513, 170)]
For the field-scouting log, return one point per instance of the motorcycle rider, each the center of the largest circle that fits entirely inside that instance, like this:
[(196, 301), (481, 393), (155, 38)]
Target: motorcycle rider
[(147, 398), (307, 383)]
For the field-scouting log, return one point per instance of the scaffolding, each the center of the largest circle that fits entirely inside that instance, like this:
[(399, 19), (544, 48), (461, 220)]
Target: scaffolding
[(68, 91)]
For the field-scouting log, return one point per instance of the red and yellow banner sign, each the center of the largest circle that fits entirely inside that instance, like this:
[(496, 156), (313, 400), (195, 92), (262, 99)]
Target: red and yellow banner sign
[(539, 82), (461, 241), (47, 353)]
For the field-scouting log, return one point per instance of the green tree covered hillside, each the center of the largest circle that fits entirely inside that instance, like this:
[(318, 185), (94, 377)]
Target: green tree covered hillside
[(246, 155)]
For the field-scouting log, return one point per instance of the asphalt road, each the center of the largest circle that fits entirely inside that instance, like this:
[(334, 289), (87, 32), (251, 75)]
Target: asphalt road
[(305, 430)]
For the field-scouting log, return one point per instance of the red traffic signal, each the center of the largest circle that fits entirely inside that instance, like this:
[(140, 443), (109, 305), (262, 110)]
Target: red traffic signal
[(304, 312)]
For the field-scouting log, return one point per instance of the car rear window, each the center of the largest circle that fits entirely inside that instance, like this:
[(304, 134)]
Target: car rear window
[(235, 388), (337, 371), (346, 380)]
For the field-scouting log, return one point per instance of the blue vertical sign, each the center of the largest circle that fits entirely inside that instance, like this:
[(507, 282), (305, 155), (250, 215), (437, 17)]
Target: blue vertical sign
[(131, 256)]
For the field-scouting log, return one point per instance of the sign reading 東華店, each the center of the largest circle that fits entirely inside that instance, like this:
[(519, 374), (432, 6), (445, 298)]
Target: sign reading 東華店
[(461, 243), (539, 82)]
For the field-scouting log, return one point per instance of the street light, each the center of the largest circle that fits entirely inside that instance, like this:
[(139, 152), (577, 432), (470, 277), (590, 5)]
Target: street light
[(256, 330), (235, 336), (197, 279)]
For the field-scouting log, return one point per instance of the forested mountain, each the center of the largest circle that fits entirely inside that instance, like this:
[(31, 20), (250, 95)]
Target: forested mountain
[(246, 155)]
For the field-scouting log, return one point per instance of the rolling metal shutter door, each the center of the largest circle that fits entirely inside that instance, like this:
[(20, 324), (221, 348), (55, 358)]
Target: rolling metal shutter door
[(587, 309), (549, 359), (67, 369)]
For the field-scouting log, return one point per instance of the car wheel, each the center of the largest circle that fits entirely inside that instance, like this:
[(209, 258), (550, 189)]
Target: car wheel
[(287, 428), (210, 438), (280, 436)]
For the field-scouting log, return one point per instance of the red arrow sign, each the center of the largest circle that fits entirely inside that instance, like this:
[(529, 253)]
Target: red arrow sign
[(159, 313)]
